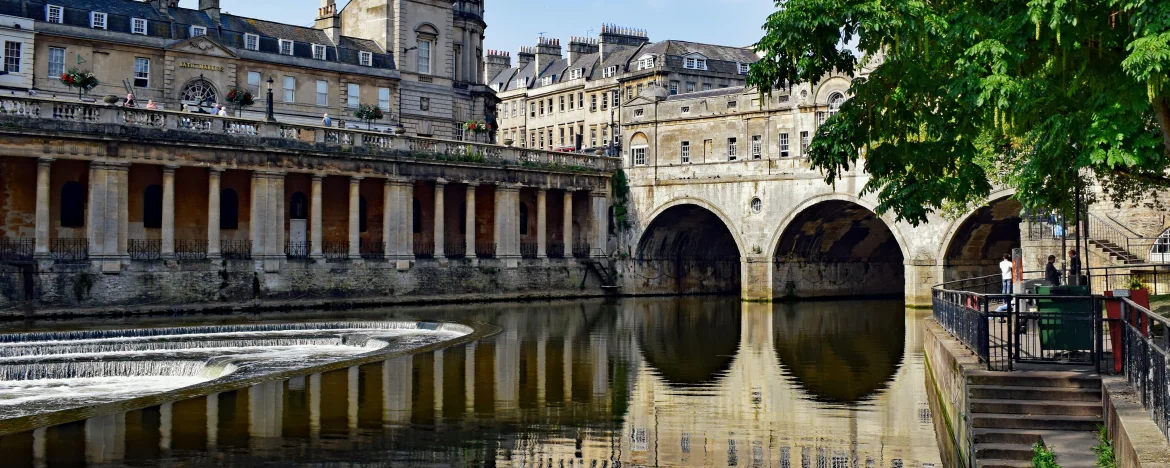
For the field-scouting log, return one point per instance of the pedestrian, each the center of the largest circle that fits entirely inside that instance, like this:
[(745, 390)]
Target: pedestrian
[(1005, 268), (1051, 273), (326, 121), (130, 101), (1074, 268), (151, 105), (222, 111)]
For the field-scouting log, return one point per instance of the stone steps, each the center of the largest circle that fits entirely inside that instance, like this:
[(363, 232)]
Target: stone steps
[(1037, 407), (1002, 392)]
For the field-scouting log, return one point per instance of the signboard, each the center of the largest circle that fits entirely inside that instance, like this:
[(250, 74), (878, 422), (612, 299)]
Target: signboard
[(200, 66)]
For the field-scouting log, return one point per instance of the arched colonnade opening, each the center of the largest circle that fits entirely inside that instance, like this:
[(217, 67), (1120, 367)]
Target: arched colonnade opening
[(687, 249)]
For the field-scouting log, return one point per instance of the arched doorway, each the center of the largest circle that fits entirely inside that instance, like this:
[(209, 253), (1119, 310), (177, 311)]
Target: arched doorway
[(687, 249), (837, 248), (977, 246)]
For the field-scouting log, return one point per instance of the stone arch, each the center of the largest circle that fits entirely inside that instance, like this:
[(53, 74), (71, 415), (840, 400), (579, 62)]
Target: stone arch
[(199, 92), (786, 222), (726, 220), (973, 243), (688, 247), (835, 84), (688, 342), (427, 29)]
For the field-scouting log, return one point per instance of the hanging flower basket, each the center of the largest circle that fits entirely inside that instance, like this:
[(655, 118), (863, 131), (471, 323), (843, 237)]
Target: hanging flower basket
[(475, 126), (369, 114), (82, 80), (241, 99)]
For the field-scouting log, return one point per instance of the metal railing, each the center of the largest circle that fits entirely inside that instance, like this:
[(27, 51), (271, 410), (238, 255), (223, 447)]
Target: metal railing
[(1112, 240), (485, 250), (455, 249), (69, 250), (528, 250), (424, 248), (1146, 359), (297, 250), (236, 249), (190, 250), (372, 249), (335, 250), (144, 249), (581, 250), (556, 250), (17, 250)]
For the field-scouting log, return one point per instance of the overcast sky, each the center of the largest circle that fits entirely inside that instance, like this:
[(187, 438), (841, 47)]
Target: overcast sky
[(513, 23)]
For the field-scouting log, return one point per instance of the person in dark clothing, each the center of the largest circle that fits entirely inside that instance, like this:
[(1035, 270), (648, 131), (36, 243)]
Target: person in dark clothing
[(1074, 268), (1051, 273)]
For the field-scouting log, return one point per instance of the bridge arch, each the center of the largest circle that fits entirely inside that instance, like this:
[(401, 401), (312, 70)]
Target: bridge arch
[(836, 245), (690, 342), (689, 246), (974, 243)]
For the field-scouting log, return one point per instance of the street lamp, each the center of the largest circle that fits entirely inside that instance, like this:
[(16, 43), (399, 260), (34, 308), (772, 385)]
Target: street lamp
[(271, 118)]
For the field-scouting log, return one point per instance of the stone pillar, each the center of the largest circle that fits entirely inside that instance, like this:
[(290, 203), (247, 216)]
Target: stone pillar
[(389, 225), (440, 225), (921, 275), (756, 279), (106, 215), (469, 220), (541, 223), (408, 220), (355, 230), (213, 214), (168, 212), (438, 383), (315, 230), (469, 380), (507, 228), (267, 224), (599, 238), (43, 219), (568, 224), (398, 216)]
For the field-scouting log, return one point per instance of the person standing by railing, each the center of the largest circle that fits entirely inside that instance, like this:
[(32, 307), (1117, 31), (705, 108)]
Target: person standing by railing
[(1005, 269), (1074, 268), (1051, 273)]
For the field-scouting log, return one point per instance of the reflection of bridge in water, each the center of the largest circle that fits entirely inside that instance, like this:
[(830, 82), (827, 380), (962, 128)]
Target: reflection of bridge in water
[(656, 382)]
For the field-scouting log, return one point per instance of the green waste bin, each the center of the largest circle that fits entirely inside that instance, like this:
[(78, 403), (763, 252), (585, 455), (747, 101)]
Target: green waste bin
[(1065, 324)]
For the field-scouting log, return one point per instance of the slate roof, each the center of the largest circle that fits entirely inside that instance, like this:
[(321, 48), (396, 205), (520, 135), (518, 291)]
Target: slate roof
[(736, 90)]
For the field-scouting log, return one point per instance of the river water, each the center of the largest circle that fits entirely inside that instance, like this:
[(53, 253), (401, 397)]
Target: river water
[(692, 382)]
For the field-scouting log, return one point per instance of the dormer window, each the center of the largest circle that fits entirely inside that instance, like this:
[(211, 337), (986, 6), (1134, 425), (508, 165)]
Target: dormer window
[(286, 47), (576, 74), (609, 72), (318, 52), (54, 14), (743, 68), (521, 82), (695, 63), (545, 81), (97, 20), (138, 26), (366, 59), (251, 42), (646, 62), (197, 31)]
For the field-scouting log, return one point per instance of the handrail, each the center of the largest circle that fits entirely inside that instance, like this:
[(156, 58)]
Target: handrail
[(36, 107), (1123, 226), (1112, 235)]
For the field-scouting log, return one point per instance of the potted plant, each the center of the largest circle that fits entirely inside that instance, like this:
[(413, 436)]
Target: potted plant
[(240, 99), (475, 127), (110, 99), (368, 114), (82, 80)]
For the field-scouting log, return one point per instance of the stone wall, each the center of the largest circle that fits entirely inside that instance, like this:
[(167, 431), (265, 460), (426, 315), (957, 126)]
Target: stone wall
[(947, 388), (686, 276), (837, 279)]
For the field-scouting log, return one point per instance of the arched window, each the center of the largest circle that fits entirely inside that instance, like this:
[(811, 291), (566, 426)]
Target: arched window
[(1160, 252), (835, 101), (72, 205), (362, 211), (523, 219), (152, 207), (229, 209), (298, 206), (416, 217)]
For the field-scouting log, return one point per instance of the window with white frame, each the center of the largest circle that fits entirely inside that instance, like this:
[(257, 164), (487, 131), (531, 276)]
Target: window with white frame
[(384, 98), (12, 56), (617, 97), (366, 59), (138, 26), (251, 42), (254, 82), (56, 62), (744, 68), (546, 80), (576, 73), (732, 104), (424, 57), (290, 89), (757, 147), (731, 149), (592, 137), (97, 20), (286, 47), (571, 102), (783, 145), (639, 155), (646, 63), (532, 109), (198, 31), (562, 132), (580, 100), (629, 92), (514, 107), (562, 103), (695, 63), (353, 94), (141, 72), (542, 107), (322, 93), (686, 152), (318, 52), (706, 86), (609, 72), (604, 101), (592, 103), (803, 142), (673, 88), (690, 86), (54, 14)]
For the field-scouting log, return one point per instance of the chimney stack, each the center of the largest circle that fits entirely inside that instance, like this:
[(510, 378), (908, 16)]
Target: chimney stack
[(495, 63), (525, 56), (211, 7), (548, 50), (163, 5), (581, 46), (329, 20), (615, 38)]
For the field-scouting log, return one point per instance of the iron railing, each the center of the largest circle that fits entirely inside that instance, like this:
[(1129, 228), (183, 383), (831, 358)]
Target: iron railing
[(424, 249), (69, 250), (297, 250), (1112, 240), (455, 249), (372, 249), (485, 250), (17, 250), (581, 250), (144, 249), (556, 250), (236, 249), (335, 250), (1146, 359), (528, 250), (1048, 227), (190, 250)]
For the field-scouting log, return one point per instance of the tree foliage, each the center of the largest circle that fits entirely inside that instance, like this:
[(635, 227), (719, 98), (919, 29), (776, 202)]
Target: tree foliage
[(1036, 95)]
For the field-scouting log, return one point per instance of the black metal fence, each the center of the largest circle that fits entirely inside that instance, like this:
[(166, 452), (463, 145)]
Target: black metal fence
[(297, 250), (191, 250), (455, 249), (1146, 339), (964, 315), (556, 250), (424, 249), (372, 249), (581, 250), (144, 249), (69, 250), (236, 249), (485, 250), (528, 250), (335, 250), (17, 250)]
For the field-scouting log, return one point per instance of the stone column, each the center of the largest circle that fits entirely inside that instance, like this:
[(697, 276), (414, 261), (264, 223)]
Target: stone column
[(756, 278), (600, 235), (921, 275), (469, 218), (355, 230), (440, 225), (106, 215), (507, 228), (267, 223), (408, 221), (389, 228), (43, 219), (568, 224), (541, 223), (315, 230), (168, 212), (213, 214)]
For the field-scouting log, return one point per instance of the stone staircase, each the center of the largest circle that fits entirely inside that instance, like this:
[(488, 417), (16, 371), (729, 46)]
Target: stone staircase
[(1010, 411), (1116, 253), (604, 271)]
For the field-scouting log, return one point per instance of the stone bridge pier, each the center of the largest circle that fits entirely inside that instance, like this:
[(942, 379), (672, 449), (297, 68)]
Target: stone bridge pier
[(781, 232)]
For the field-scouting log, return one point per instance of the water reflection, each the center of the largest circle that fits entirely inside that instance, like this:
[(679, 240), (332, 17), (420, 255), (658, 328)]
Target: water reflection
[(678, 382)]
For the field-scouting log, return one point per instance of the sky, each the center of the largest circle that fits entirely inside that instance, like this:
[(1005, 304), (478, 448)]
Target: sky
[(515, 23)]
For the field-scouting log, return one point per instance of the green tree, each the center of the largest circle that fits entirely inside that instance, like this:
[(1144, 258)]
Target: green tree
[(1039, 95)]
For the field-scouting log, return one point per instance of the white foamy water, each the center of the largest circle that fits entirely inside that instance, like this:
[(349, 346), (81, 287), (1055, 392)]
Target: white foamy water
[(22, 397)]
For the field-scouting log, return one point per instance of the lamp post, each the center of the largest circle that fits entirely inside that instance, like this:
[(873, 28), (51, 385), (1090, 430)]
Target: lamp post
[(271, 118)]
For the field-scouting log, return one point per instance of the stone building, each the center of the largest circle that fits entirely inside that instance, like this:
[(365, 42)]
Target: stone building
[(17, 37), (552, 101), (175, 56)]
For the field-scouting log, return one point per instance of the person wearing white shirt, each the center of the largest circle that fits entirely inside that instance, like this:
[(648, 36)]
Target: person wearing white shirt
[(1005, 268), (222, 111)]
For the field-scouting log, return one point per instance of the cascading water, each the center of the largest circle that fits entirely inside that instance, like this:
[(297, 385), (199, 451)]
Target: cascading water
[(50, 371)]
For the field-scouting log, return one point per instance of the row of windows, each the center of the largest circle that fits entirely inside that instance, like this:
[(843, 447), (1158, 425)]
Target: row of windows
[(638, 154), (692, 86), (568, 137), (538, 107), (289, 91)]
